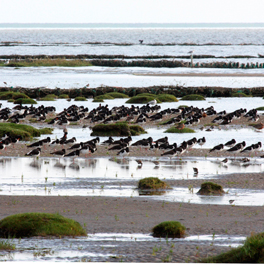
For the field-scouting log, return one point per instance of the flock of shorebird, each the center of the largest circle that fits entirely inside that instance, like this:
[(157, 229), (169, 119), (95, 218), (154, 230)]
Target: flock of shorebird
[(102, 114)]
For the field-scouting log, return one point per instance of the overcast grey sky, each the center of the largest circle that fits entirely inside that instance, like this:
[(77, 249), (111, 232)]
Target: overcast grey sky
[(131, 11)]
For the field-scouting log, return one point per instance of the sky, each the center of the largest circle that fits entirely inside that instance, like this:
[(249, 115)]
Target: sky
[(131, 11)]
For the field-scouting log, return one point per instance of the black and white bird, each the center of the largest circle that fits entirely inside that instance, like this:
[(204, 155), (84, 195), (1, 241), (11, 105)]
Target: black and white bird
[(73, 154), (217, 148), (237, 148), (36, 144), (34, 152), (201, 141), (59, 153), (195, 171), (123, 152), (170, 153), (231, 143)]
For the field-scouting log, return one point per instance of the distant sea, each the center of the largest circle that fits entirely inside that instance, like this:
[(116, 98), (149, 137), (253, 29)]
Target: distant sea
[(131, 25)]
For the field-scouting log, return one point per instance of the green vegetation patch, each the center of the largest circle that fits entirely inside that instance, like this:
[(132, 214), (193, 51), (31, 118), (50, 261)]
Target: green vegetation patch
[(80, 98), (173, 229), (25, 131), (251, 252), (48, 97), (63, 96), (39, 224), (136, 130), (12, 95), (49, 63), (143, 98), (96, 100), (45, 130), (193, 97), (261, 108), (7, 245), (176, 130), (117, 129), (117, 95), (167, 98), (211, 188), (101, 98), (25, 101), (153, 183), (239, 95)]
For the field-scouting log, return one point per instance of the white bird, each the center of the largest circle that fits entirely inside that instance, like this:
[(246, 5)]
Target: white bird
[(153, 102)]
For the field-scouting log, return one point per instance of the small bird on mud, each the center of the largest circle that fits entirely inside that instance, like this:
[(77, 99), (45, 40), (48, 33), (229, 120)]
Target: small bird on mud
[(156, 162), (195, 171), (139, 162), (34, 153), (258, 126)]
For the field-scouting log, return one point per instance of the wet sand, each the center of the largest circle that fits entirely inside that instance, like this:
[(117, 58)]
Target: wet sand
[(139, 215)]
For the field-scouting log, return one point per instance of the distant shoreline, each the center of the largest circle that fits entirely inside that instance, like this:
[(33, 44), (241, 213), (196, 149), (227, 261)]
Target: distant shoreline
[(130, 25), (201, 74)]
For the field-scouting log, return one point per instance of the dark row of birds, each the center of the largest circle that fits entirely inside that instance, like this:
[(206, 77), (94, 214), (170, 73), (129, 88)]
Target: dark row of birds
[(190, 115), (235, 147), (75, 149)]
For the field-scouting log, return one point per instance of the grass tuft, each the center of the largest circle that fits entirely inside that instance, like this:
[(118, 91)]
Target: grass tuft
[(251, 252), (39, 224), (117, 129), (176, 130), (211, 188), (25, 131), (173, 229), (153, 183), (193, 97)]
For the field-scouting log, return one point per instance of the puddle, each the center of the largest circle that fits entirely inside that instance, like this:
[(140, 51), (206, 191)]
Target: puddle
[(118, 178), (101, 246)]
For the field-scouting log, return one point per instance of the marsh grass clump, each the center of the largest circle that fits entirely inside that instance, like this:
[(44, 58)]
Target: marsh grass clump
[(238, 94), (39, 224), (193, 97), (117, 95), (143, 98), (25, 101), (12, 95), (48, 97), (96, 100), (173, 229), (136, 130), (49, 63), (152, 183), (45, 130), (63, 96), (25, 131), (80, 98), (211, 188), (167, 98), (251, 252), (261, 108), (101, 98), (177, 130), (117, 129), (6, 245)]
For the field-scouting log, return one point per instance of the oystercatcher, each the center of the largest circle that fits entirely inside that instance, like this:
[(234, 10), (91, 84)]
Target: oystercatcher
[(34, 152), (201, 141), (123, 152), (231, 143), (219, 147), (59, 153)]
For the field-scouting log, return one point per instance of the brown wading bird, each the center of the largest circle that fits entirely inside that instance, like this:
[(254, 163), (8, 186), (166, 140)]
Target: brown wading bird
[(258, 126), (180, 126)]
